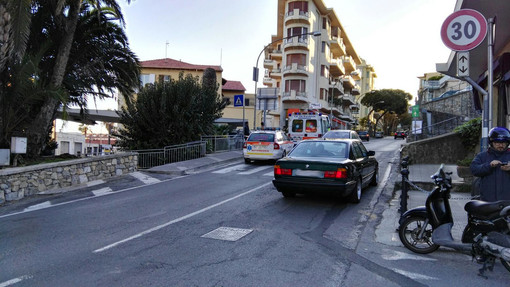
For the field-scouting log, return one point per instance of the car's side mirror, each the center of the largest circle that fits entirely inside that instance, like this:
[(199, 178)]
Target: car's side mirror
[(371, 153)]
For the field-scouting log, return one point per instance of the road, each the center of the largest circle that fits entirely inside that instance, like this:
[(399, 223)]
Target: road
[(227, 226)]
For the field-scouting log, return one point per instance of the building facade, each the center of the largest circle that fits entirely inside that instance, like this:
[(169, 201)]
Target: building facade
[(312, 71)]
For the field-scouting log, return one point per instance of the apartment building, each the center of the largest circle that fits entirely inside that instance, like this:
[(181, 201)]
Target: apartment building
[(312, 71)]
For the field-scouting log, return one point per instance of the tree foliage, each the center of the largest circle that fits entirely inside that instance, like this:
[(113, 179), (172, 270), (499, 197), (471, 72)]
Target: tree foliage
[(173, 112), (55, 54), (385, 101)]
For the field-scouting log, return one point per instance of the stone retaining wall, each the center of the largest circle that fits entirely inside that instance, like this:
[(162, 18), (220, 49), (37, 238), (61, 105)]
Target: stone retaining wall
[(447, 149), (17, 183)]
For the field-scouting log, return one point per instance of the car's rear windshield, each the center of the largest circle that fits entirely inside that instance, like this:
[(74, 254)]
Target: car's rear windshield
[(337, 135), (331, 149), (261, 137)]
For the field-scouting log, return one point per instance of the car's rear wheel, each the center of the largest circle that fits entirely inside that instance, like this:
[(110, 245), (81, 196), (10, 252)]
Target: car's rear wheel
[(355, 196), (247, 160)]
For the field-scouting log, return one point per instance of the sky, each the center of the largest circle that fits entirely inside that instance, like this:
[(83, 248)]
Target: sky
[(400, 39)]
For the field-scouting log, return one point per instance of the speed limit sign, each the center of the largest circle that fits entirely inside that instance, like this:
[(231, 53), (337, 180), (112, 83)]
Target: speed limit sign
[(463, 30)]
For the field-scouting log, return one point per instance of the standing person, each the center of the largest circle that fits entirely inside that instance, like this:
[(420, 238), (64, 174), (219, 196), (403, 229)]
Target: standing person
[(493, 168), (246, 129)]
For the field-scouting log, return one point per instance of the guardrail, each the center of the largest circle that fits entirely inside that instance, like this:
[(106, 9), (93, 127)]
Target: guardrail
[(220, 143), (148, 158), (436, 129)]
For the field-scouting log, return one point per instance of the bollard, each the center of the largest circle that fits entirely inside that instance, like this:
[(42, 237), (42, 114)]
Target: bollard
[(405, 186)]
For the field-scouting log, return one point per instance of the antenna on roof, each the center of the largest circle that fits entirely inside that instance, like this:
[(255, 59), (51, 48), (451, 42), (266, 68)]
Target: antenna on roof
[(221, 56), (166, 48)]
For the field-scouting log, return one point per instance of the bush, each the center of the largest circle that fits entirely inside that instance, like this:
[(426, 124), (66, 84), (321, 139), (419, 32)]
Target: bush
[(470, 133)]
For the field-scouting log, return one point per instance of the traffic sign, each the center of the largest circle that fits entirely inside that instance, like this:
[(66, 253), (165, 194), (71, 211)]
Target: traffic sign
[(415, 111), (238, 101), (463, 64), (464, 30)]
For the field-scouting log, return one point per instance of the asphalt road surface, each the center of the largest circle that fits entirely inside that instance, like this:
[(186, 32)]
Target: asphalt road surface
[(227, 226)]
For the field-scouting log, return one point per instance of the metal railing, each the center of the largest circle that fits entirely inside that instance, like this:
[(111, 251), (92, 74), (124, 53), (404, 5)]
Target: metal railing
[(153, 157), (436, 129), (220, 143)]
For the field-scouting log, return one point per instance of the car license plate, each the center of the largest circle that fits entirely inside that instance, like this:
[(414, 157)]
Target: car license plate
[(309, 173)]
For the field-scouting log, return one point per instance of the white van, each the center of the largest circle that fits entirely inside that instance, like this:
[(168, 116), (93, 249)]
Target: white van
[(307, 125)]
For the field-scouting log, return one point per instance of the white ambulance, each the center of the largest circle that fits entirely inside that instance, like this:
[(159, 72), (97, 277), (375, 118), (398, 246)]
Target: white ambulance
[(307, 125)]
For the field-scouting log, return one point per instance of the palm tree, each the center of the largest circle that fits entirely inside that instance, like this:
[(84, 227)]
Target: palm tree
[(83, 50)]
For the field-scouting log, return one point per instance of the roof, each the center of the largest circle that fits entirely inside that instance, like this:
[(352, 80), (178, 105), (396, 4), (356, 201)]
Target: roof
[(168, 63), (90, 116), (233, 86)]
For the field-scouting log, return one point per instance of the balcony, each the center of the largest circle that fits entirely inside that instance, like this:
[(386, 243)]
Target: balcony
[(336, 67), (294, 68), (295, 96), (349, 64), (337, 88), (297, 42), (297, 16), (355, 90), (275, 73), (348, 82), (348, 100), (269, 64), (276, 54), (268, 81), (337, 46)]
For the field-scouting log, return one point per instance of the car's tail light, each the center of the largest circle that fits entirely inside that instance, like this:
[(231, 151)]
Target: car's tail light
[(282, 171), (339, 173), (276, 146), (319, 135)]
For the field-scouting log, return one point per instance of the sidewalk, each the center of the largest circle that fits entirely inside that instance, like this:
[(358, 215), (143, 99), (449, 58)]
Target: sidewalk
[(386, 232), (190, 166)]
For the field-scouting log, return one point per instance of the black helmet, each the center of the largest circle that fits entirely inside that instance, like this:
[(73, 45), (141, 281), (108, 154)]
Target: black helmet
[(499, 134)]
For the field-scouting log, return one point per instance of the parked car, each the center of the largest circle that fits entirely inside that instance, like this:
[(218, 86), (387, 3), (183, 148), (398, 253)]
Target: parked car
[(379, 135), (400, 134), (363, 135), (341, 167), (340, 134), (266, 145)]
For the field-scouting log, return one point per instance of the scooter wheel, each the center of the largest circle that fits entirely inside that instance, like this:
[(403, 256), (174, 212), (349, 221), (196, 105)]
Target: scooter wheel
[(416, 235)]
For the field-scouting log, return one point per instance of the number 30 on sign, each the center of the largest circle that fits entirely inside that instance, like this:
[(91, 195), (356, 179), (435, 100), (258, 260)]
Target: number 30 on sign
[(463, 30)]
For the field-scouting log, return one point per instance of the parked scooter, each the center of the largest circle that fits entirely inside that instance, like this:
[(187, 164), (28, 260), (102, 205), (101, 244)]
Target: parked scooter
[(487, 235)]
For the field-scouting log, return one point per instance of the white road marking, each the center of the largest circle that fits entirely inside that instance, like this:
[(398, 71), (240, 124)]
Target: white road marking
[(232, 168), (15, 280), (415, 276), (179, 219), (255, 170), (144, 178), (397, 255), (269, 174), (102, 191), (42, 205), (85, 198)]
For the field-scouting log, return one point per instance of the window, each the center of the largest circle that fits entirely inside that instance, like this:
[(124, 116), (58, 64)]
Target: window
[(324, 71), (323, 94), (300, 5), (295, 85), (297, 31), (297, 126), (299, 59), (163, 78), (147, 79), (64, 147), (325, 23), (311, 126)]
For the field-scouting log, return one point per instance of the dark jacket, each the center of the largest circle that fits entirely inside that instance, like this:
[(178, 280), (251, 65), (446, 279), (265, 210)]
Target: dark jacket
[(494, 182)]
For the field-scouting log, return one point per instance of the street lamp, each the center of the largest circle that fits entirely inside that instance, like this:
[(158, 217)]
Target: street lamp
[(256, 69)]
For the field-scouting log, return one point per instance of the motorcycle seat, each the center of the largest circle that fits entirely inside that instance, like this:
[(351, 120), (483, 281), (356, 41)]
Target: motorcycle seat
[(485, 209)]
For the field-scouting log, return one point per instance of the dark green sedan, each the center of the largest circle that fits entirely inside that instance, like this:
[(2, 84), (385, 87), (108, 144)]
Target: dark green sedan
[(341, 167)]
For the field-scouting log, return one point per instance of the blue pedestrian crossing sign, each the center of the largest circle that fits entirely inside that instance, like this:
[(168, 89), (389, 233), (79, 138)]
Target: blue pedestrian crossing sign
[(238, 100)]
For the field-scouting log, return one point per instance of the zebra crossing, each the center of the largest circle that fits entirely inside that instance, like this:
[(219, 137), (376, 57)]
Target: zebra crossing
[(246, 169)]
